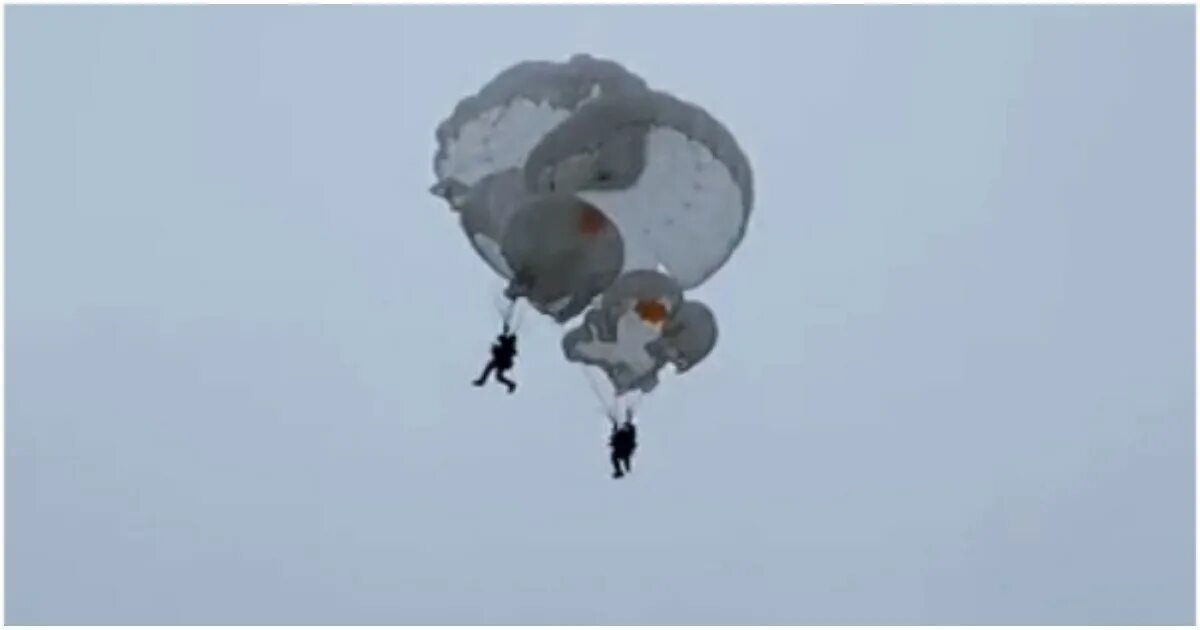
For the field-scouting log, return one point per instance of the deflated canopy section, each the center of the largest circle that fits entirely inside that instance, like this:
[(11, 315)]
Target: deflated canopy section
[(689, 336), (562, 253), (495, 129), (669, 175), (641, 323), (486, 211), (649, 294)]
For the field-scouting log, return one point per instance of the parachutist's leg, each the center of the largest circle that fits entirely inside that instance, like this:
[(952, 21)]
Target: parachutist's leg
[(616, 463), (504, 379), (487, 370), (626, 461)]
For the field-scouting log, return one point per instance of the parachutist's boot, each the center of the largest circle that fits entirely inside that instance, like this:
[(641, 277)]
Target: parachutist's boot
[(618, 474)]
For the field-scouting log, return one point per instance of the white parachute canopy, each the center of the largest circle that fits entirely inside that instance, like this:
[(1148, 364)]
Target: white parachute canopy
[(563, 253), (576, 180), (483, 145), (669, 175), (642, 323)]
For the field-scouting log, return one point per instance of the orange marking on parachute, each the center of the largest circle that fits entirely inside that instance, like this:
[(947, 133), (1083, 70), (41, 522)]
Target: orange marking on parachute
[(652, 311), (591, 221)]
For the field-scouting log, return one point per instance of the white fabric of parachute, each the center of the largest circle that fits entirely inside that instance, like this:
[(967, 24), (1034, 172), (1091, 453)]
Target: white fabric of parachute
[(680, 191), (545, 144), (642, 323), (669, 175), (563, 253), (483, 145)]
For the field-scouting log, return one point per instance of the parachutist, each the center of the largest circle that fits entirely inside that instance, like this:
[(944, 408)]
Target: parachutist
[(503, 353), (623, 443)]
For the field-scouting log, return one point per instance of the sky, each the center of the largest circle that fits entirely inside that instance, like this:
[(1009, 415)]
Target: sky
[(954, 383)]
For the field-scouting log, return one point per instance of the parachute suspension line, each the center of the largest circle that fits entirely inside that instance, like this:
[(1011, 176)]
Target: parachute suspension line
[(516, 315), (629, 403), (506, 308), (608, 406), (633, 402), (499, 302)]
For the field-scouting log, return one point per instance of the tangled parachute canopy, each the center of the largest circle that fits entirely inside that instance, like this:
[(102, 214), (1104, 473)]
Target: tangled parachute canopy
[(483, 145), (495, 129), (563, 252), (593, 194), (671, 177), (642, 323)]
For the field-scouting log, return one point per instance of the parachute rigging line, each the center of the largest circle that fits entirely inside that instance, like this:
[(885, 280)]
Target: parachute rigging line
[(607, 407), (516, 316), (633, 401), (505, 309)]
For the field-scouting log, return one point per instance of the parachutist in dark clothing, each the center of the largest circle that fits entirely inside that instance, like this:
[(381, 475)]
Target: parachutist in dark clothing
[(503, 353), (623, 443)]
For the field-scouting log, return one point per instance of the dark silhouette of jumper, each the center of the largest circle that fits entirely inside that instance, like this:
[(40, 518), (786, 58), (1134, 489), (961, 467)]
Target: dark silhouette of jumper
[(504, 351), (623, 442)]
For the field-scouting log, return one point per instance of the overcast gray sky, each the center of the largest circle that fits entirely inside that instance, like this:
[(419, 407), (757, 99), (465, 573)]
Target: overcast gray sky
[(954, 383)]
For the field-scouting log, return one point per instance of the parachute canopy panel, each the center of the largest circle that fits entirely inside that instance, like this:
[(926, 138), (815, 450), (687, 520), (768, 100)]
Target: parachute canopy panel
[(667, 173), (641, 324), (486, 211), (562, 252), (495, 129), (688, 337)]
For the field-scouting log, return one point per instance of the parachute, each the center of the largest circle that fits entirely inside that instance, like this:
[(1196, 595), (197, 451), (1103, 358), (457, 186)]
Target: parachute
[(563, 252), (668, 174), (641, 324), (483, 145), (592, 194)]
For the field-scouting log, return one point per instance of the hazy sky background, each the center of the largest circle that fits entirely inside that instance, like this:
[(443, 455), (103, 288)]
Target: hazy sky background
[(954, 383)]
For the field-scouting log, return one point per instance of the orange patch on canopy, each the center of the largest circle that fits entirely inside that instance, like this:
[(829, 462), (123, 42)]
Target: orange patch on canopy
[(592, 221), (652, 311)]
